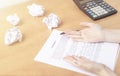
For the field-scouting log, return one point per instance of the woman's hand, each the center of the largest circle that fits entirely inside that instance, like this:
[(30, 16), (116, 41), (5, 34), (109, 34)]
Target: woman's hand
[(93, 33), (90, 66)]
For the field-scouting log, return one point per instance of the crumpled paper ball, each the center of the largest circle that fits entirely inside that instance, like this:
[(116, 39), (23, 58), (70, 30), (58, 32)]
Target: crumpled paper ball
[(36, 10), (13, 35), (13, 19), (52, 21)]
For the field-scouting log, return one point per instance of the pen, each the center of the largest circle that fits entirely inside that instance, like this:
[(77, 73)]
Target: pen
[(62, 33)]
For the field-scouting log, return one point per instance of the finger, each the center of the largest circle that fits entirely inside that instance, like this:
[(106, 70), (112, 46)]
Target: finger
[(71, 60), (88, 24), (76, 58), (75, 36), (84, 63), (79, 40), (82, 39), (85, 59), (78, 62), (73, 32), (81, 58)]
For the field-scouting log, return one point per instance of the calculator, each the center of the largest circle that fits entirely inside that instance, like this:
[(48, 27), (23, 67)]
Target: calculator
[(95, 9)]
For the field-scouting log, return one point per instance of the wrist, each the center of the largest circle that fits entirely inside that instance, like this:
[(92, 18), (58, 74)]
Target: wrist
[(101, 71), (105, 71), (110, 36), (106, 35)]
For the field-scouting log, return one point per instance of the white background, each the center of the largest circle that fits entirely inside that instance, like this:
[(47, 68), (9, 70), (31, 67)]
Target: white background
[(7, 3)]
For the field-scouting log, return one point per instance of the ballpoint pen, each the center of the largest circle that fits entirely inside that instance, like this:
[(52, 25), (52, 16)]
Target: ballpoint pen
[(62, 33)]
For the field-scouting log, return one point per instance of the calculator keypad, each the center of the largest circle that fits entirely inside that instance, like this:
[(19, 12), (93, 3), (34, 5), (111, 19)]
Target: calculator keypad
[(99, 11), (96, 10)]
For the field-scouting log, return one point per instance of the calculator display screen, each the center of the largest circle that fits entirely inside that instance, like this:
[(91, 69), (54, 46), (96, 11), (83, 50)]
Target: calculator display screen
[(84, 1)]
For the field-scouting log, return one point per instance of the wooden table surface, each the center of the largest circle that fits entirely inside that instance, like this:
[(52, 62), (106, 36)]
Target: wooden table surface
[(18, 59)]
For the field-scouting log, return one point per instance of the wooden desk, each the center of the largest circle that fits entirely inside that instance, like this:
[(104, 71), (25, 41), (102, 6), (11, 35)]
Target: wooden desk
[(18, 59)]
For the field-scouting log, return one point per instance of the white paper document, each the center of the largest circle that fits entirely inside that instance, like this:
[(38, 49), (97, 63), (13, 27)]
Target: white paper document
[(58, 46)]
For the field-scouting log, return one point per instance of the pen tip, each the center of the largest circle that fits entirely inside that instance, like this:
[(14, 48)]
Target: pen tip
[(62, 33)]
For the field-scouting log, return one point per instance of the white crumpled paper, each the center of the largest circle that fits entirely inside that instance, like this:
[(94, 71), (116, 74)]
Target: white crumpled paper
[(13, 19), (36, 10), (52, 21), (13, 35)]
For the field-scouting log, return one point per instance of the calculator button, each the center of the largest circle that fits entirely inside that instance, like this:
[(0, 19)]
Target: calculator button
[(87, 5), (94, 16), (99, 10), (85, 8), (109, 10), (104, 7), (95, 5), (112, 9), (88, 10)]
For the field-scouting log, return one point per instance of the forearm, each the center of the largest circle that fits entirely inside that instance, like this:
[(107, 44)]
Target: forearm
[(112, 35)]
